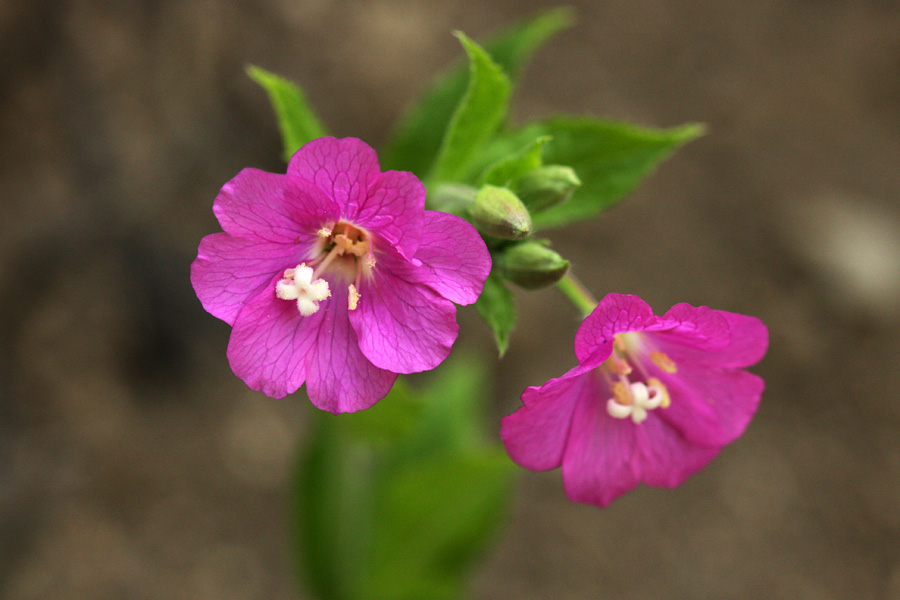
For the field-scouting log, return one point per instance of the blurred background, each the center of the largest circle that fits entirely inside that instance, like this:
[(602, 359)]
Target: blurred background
[(133, 464)]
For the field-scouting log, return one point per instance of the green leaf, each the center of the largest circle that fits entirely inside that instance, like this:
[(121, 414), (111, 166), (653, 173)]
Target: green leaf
[(497, 307), (333, 490), (479, 114), (610, 157), (511, 167), (296, 118), (433, 519), (417, 138), (397, 501)]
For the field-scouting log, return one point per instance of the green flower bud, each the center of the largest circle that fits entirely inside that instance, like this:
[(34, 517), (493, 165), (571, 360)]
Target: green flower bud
[(547, 186), (498, 212), (532, 265)]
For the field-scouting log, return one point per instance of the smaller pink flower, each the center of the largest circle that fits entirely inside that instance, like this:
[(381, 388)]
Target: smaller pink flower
[(334, 275), (653, 399)]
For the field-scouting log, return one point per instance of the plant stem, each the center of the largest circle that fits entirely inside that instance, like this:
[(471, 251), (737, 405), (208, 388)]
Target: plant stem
[(577, 294)]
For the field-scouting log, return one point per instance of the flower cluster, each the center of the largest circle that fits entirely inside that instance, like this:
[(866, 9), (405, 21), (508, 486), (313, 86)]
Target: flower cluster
[(335, 275)]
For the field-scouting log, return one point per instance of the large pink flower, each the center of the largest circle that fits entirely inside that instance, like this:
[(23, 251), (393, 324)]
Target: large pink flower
[(653, 399), (335, 275)]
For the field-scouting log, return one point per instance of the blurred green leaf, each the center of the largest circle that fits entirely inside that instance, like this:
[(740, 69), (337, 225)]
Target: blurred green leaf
[(333, 490), (477, 117), (395, 502), (297, 120), (433, 519), (417, 138), (524, 161), (497, 307)]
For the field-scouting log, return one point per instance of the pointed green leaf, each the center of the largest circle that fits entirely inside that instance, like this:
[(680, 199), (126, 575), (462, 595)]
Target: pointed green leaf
[(297, 120), (479, 114), (611, 158), (520, 163), (497, 307), (417, 138)]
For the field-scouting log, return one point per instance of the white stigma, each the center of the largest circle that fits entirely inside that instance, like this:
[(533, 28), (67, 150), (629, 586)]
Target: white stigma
[(298, 284), (643, 399)]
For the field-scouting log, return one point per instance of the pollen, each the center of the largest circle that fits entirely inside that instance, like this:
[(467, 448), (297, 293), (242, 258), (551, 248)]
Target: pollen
[(662, 360), (352, 297), (298, 284)]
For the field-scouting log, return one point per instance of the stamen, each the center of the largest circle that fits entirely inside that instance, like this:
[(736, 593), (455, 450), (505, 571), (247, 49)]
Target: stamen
[(655, 384), (352, 297), (641, 400), (662, 360)]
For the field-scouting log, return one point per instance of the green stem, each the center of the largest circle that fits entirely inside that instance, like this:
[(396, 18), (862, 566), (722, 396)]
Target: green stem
[(577, 294)]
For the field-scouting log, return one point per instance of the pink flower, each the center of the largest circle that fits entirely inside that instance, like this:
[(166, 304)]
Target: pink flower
[(335, 275), (653, 399)]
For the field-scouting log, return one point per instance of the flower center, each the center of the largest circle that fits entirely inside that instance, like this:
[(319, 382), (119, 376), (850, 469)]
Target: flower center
[(343, 250), (635, 399)]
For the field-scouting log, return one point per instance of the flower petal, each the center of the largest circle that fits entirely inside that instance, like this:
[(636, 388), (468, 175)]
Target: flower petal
[(711, 407), (393, 208), (272, 207), (535, 435), (402, 327), (615, 313), (228, 271), (271, 343), (342, 168), (339, 377), (606, 457), (455, 260), (713, 338), (665, 458)]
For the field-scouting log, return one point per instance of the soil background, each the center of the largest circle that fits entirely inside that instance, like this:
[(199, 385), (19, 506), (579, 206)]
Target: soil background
[(133, 464)]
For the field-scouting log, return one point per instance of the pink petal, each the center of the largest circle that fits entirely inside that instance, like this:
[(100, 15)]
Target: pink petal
[(272, 207), (339, 377), (665, 458), (455, 260), (614, 314), (606, 457), (228, 271), (402, 327), (749, 341), (393, 208), (712, 338), (271, 343), (711, 407), (535, 435), (342, 168)]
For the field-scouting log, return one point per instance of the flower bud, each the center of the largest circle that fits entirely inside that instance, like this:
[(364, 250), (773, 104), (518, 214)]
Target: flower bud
[(532, 265), (498, 212), (547, 186)]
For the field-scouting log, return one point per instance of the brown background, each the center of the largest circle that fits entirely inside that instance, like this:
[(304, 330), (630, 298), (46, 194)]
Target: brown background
[(133, 464)]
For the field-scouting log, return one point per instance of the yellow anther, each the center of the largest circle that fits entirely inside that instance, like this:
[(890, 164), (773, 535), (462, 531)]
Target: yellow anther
[(666, 401), (325, 231), (662, 360), (352, 297), (621, 393)]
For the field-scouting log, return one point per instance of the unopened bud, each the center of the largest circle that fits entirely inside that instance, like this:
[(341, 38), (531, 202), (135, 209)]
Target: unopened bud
[(547, 186), (532, 265), (498, 212)]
